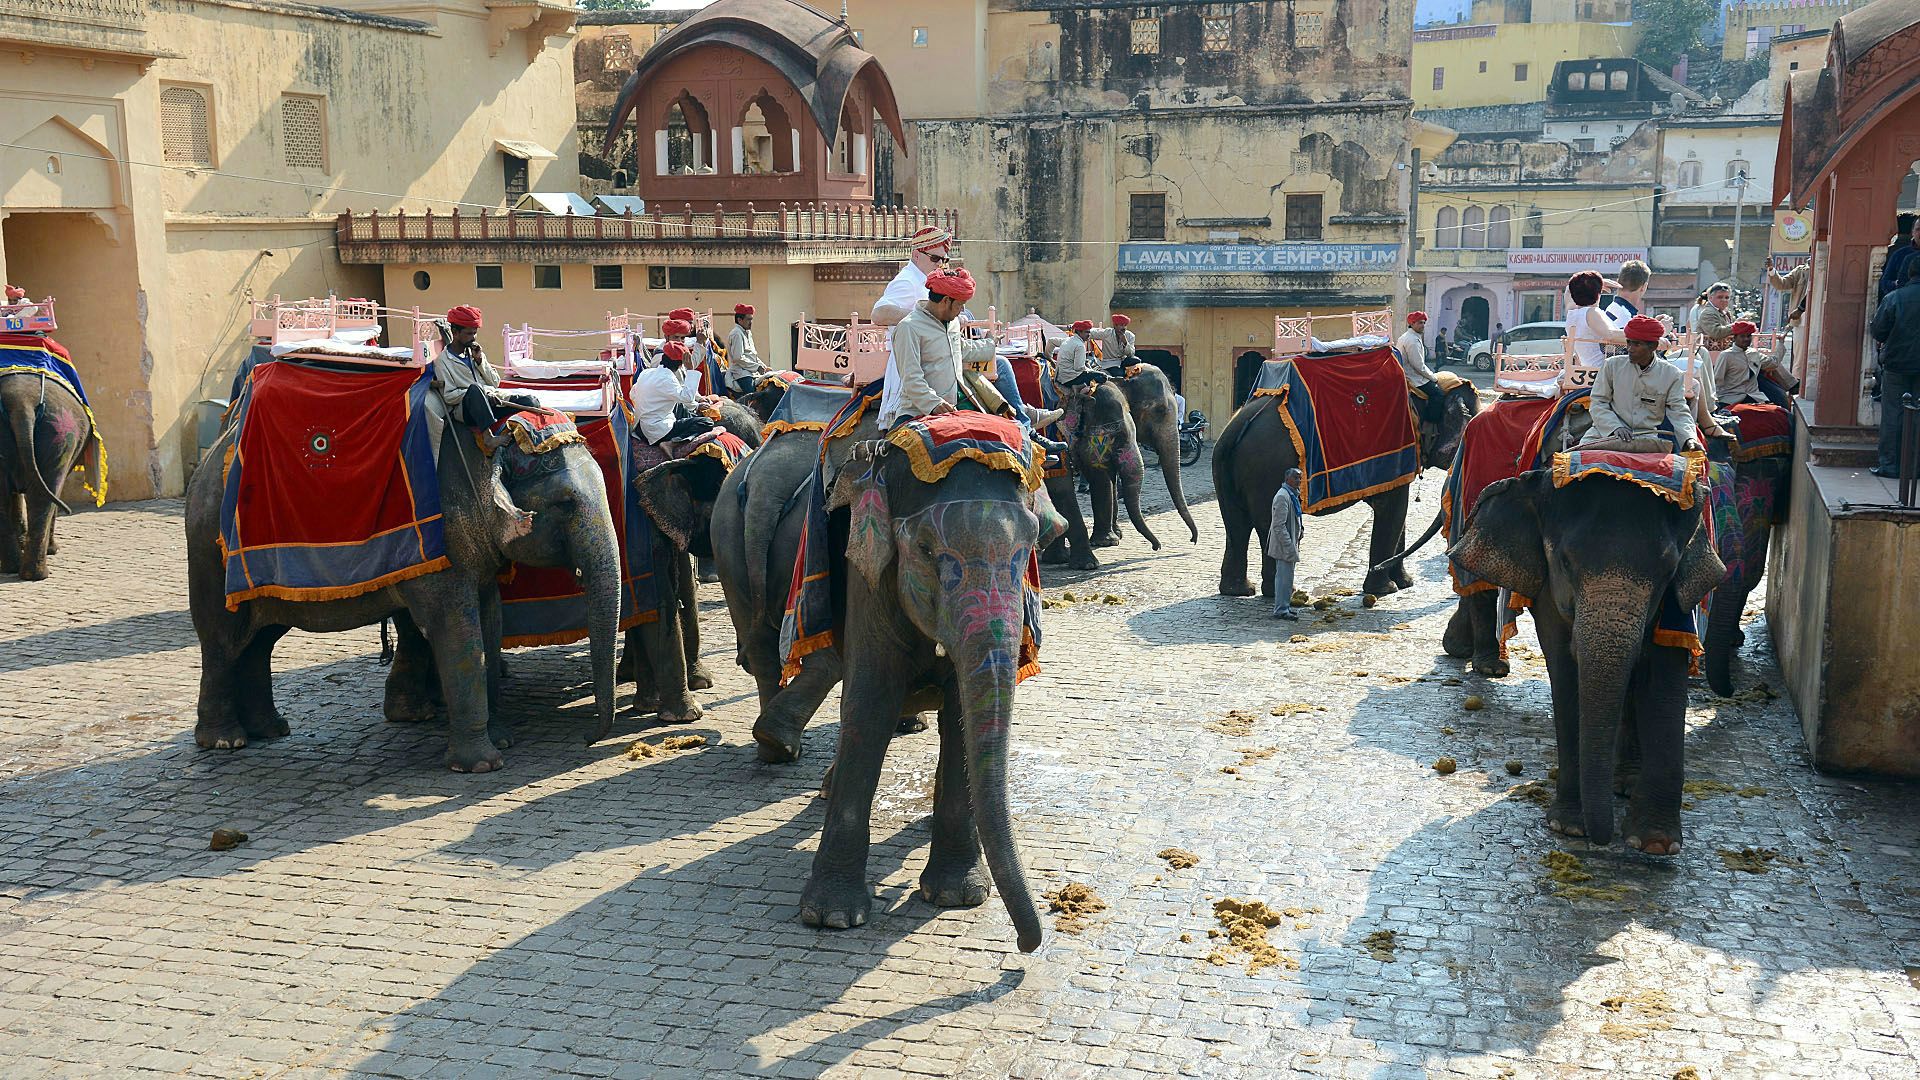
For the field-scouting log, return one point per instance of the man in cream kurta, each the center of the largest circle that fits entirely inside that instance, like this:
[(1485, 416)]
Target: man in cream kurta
[(1635, 393), (923, 371)]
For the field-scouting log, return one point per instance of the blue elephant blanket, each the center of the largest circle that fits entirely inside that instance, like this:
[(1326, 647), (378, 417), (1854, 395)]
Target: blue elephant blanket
[(38, 354)]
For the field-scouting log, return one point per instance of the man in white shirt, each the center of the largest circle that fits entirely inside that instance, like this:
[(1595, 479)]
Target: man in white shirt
[(932, 246), (1635, 393), (923, 368), (743, 360), (1412, 348), (1631, 297), (659, 393)]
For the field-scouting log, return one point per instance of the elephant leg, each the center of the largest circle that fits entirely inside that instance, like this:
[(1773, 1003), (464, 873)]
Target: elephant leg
[(1457, 642), (698, 677), (1563, 674), (709, 572), (1106, 509), (1079, 553), (953, 877), (1660, 713), (837, 895), (1483, 615), (453, 630), (39, 532), (498, 730), (783, 719), (1233, 560), (411, 681), (13, 529), (253, 687), (218, 725), (1389, 539), (660, 669)]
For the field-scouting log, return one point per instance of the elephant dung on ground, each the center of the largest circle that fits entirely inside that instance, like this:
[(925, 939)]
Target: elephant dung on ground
[(42, 435), (1253, 455), (936, 597), (457, 609), (1598, 558), (1106, 452)]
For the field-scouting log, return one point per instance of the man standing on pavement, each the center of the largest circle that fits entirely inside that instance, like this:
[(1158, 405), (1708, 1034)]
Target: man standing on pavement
[(1283, 543), (744, 367), (1637, 392), (923, 367), (1412, 347), (1896, 326)]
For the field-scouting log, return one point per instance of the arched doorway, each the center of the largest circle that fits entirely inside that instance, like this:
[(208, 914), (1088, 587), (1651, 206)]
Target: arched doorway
[(1166, 362), (1246, 372), (1475, 318)]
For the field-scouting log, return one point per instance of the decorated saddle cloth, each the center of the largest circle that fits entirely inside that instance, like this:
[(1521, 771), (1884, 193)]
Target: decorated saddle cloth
[(807, 406), (329, 484), (1494, 446), (1350, 420), (536, 431), (1670, 476), (34, 354), (1764, 430), (1674, 625), (934, 445)]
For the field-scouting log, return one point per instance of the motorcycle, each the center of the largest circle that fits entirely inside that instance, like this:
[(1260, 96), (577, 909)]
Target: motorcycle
[(1193, 437)]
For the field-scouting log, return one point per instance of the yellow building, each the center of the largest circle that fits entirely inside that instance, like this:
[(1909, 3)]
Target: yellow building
[(167, 162), (1752, 27), (1505, 63)]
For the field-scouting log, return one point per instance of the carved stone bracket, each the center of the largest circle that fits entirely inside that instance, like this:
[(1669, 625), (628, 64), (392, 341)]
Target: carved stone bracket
[(540, 20)]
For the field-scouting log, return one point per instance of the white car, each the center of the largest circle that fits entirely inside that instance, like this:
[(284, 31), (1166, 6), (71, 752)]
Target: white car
[(1527, 339)]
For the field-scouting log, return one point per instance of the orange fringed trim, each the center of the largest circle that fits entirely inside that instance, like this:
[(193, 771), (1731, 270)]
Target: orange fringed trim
[(801, 649), (1743, 456), (337, 592), (568, 637), (781, 427), (1031, 472), (1680, 639), (1696, 466)]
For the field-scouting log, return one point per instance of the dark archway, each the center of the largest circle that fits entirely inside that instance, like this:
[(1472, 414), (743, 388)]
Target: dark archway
[(1246, 371), (1166, 362), (1474, 320)]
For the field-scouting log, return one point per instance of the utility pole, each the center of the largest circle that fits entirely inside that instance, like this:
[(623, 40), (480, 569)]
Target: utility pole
[(1739, 205)]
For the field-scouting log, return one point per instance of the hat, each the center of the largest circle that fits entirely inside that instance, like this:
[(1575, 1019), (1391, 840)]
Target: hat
[(1416, 316), (1742, 327), (15, 292), (742, 309), (674, 350), (1081, 324), (956, 284), (465, 315), (1122, 321), (685, 313), (1641, 328), (928, 237), (675, 328)]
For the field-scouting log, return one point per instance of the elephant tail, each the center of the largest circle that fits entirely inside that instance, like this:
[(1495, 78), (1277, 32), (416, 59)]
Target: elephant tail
[(26, 460), (1395, 561)]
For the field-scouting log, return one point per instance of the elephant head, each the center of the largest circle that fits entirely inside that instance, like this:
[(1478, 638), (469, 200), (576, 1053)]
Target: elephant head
[(1462, 403), (678, 497), (1107, 442), (1601, 556), (950, 560), (1156, 422)]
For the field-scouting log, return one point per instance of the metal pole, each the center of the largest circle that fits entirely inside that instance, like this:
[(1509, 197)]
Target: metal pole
[(1739, 205), (1909, 464)]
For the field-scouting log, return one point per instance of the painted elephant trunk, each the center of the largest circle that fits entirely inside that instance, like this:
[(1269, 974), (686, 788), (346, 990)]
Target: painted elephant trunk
[(596, 555), (1132, 473), (986, 689), (1723, 635), (1603, 696)]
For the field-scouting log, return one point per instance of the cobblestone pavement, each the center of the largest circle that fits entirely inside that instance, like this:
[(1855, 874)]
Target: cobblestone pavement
[(585, 914)]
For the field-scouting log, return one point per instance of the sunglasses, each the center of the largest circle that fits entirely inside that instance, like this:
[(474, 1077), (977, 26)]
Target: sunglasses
[(938, 259)]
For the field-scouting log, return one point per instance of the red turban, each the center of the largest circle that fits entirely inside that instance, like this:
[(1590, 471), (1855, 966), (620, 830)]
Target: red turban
[(1416, 316), (465, 315), (675, 328), (1742, 327), (928, 237), (681, 313), (1122, 321), (1081, 324), (675, 350), (954, 283), (742, 309), (15, 292), (1641, 328)]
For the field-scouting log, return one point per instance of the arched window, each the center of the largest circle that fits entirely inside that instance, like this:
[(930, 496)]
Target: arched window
[(1576, 80), (850, 146), (1499, 228), (1689, 174), (768, 139), (684, 143), (1446, 228), (1738, 167), (1617, 81), (1473, 226)]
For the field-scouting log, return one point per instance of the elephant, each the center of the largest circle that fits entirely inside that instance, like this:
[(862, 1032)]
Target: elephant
[(662, 657), (1107, 452), (456, 609), (1759, 489), (1156, 422), (936, 599), (45, 432), (1255, 451), (1598, 558), (762, 399)]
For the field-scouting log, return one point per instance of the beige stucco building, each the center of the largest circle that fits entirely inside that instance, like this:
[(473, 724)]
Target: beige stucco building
[(166, 161)]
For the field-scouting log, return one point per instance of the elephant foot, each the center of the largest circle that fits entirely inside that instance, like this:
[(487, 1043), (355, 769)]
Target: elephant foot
[(33, 571), (53, 546), (1739, 638), (954, 885), (1457, 644), (1653, 833), (1083, 562), (683, 711), (1243, 587), (500, 734), (1491, 667), (1104, 542), (699, 678), (267, 725), (1403, 580), (474, 756), (1385, 587), (835, 904), (912, 724), (1564, 817), (776, 743), (408, 709), (225, 734), (1053, 557)]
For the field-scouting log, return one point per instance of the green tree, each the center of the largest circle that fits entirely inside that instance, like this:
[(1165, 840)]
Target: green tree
[(610, 5), (1669, 28)]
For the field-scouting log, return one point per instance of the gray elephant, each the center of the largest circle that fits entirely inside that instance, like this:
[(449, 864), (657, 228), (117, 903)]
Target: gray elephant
[(1156, 423), (1106, 451), (1759, 494), (1254, 453), (662, 656), (1598, 559), (45, 431), (456, 609), (936, 600)]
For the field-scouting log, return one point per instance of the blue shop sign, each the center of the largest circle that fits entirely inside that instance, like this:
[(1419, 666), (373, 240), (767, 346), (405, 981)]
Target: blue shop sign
[(1256, 259)]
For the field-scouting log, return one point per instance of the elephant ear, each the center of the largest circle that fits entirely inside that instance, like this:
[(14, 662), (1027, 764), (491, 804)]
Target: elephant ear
[(862, 492), (1504, 543), (666, 494), (1701, 569)]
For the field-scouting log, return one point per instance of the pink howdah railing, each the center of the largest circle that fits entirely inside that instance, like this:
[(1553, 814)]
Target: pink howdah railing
[(781, 222)]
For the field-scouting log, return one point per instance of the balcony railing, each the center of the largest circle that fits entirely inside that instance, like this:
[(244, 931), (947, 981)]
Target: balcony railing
[(780, 224), (1432, 258)]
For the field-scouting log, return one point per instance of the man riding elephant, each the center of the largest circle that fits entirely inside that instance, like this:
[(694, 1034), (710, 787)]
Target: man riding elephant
[(468, 386), (924, 364), (1635, 393)]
